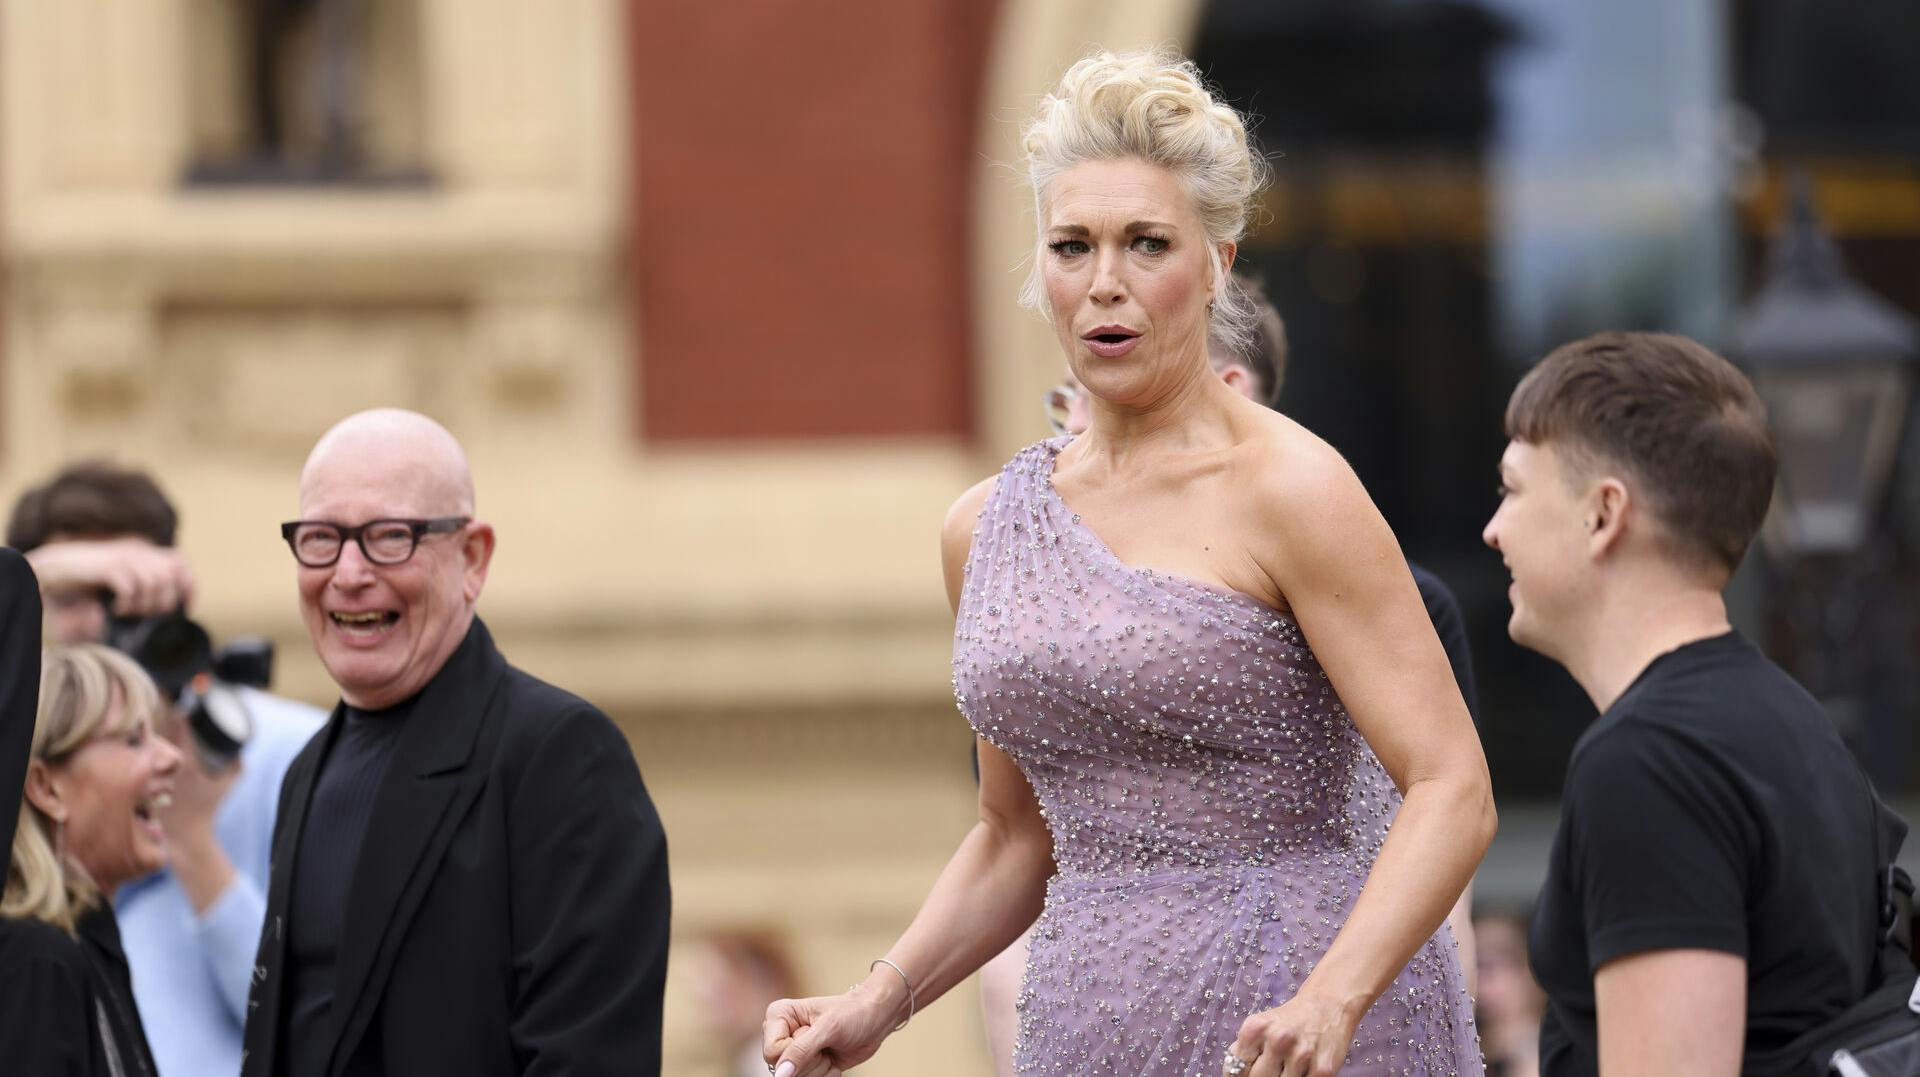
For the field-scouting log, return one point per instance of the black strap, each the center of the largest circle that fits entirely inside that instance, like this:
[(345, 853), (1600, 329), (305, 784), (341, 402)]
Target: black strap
[(1896, 909), (1893, 889)]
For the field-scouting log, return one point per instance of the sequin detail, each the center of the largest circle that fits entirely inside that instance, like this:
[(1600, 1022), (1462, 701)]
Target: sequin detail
[(1214, 811)]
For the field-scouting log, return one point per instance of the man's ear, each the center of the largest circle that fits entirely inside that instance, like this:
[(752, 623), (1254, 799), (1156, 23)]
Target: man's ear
[(1609, 507), (476, 550), (1239, 379), (45, 791)]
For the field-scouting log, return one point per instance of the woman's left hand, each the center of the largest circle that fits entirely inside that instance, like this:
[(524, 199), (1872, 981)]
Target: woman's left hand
[(1308, 1036)]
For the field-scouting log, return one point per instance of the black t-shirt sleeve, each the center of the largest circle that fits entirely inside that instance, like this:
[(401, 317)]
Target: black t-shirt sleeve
[(1660, 846)]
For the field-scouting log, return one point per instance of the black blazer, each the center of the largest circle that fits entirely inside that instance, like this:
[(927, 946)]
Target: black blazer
[(19, 683), (508, 914)]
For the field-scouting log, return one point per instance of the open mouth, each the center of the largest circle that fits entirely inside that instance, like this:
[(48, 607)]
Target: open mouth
[(147, 811), (1111, 341), (369, 623)]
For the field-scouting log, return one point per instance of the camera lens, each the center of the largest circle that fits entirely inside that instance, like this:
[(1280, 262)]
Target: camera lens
[(171, 648), (221, 726)]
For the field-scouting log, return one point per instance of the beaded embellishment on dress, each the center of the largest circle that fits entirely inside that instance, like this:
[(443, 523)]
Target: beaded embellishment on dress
[(1214, 811)]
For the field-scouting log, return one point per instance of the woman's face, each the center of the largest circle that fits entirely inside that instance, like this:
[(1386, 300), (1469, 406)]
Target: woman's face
[(111, 790), (1124, 260)]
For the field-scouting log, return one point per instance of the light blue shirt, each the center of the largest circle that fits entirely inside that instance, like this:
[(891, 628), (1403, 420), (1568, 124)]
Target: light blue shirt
[(191, 973)]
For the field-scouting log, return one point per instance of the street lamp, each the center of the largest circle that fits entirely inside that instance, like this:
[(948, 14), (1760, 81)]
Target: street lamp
[(1835, 365)]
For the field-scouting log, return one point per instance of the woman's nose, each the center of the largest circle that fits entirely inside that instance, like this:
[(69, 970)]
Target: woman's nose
[(168, 756), (1107, 288)]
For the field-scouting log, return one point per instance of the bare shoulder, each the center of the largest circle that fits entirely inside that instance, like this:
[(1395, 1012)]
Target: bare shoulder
[(956, 533), (1291, 471), (965, 512), (1307, 503)]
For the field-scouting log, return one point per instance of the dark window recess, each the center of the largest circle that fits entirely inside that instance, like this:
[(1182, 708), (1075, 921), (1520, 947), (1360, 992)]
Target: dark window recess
[(306, 92)]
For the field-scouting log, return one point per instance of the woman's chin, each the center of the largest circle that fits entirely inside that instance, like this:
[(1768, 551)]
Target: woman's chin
[(149, 856)]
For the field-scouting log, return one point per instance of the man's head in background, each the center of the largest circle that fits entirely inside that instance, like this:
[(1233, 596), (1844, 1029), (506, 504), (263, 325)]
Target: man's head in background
[(1257, 368)]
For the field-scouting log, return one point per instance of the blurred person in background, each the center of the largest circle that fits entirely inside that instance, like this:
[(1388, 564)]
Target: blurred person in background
[(736, 974), (1194, 792), (1255, 366), (1712, 891), (1509, 1003), (88, 825), (101, 539), (468, 875)]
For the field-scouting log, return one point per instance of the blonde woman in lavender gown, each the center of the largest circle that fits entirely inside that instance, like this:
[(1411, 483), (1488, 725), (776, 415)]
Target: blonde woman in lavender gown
[(1223, 757)]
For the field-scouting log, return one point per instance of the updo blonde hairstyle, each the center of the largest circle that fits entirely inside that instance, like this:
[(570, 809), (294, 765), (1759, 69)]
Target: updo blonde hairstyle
[(1152, 105), (78, 688)]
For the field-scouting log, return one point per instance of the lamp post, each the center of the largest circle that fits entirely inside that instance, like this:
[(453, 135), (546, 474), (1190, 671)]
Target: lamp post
[(1835, 365)]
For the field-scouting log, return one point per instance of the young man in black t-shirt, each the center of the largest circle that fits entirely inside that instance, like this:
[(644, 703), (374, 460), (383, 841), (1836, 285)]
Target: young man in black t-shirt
[(1712, 892)]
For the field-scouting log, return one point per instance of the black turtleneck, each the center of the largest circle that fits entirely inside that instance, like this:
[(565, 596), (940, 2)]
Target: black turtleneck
[(330, 839)]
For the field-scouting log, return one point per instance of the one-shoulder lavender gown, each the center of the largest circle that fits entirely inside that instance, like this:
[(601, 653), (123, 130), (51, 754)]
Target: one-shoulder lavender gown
[(1214, 811)]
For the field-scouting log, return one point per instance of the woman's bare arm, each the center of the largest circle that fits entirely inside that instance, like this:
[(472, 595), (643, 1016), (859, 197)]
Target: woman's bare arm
[(992, 888), (990, 891), (1329, 552)]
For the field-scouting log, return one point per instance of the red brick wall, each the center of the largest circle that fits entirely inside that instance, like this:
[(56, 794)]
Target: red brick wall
[(801, 230)]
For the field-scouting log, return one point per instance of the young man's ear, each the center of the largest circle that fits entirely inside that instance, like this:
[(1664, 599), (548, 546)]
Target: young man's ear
[(1607, 509), (1239, 379)]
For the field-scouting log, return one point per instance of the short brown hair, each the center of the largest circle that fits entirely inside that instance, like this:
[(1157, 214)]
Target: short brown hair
[(93, 499), (1683, 422), (1264, 352)]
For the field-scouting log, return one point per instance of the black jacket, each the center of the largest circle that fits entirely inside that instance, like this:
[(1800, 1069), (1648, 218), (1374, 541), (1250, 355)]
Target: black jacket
[(508, 914), (19, 683), (66, 1003), (61, 997)]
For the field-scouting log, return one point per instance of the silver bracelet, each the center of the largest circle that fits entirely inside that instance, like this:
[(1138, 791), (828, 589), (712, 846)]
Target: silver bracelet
[(913, 1003)]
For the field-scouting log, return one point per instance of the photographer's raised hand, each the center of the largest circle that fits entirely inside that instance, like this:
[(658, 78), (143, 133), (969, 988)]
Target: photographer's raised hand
[(145, 579)]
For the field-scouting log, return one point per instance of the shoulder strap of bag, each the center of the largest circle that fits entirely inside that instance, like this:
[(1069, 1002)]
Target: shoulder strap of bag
[(1893, 890)]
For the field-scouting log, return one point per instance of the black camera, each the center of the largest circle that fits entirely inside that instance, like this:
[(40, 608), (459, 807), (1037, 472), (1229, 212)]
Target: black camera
[(201, 680)]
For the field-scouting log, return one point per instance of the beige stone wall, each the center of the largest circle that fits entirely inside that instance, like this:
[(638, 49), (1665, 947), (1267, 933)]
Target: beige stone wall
[(766, 621)]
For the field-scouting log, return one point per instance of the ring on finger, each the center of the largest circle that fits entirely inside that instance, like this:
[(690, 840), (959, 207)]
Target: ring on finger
[(1235, 1064)]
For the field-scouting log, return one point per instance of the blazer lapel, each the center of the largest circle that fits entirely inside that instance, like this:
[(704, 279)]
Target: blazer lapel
[(412, 821), (264, 1011)]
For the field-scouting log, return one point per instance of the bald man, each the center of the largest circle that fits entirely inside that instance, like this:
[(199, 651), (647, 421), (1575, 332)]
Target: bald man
[(468, 875)]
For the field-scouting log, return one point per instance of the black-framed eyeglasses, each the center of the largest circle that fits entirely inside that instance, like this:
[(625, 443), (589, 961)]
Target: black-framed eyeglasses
[(317, 543)]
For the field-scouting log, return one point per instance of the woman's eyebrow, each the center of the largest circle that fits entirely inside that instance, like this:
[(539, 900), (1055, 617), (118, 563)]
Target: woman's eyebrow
[(1134, 226)]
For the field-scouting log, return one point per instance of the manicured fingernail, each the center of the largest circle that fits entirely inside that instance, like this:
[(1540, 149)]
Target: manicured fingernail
[(785, 1070)]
